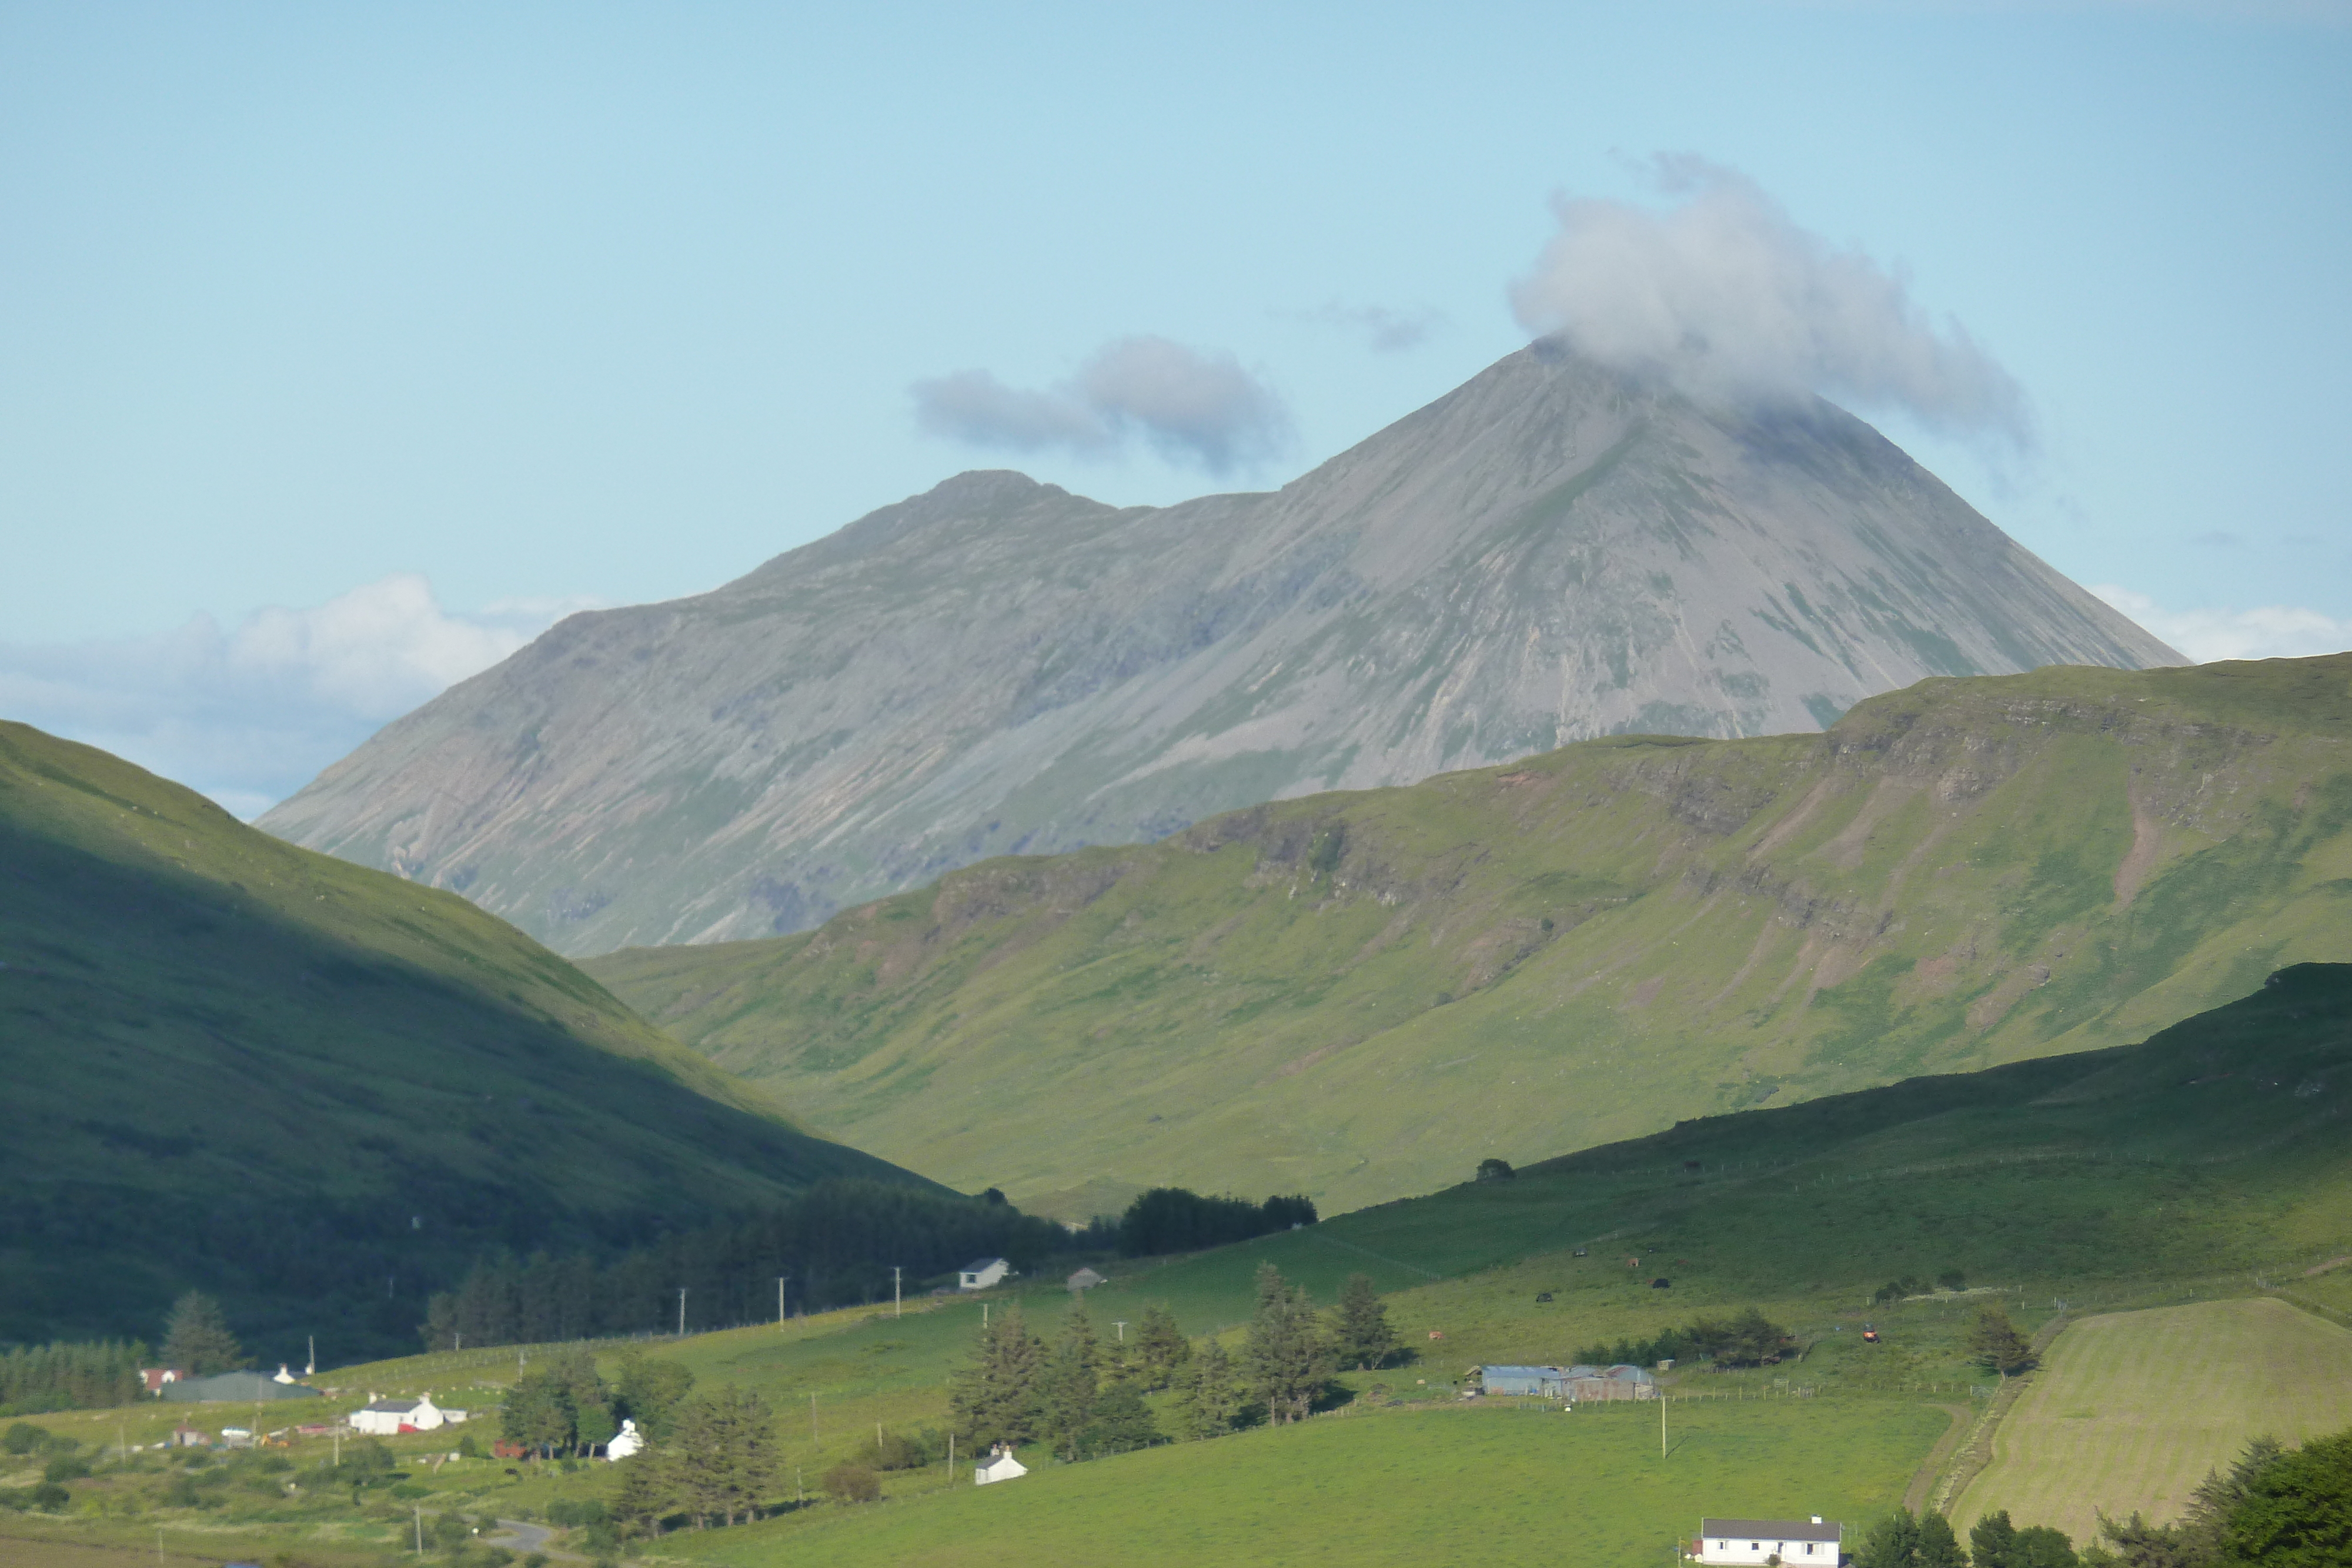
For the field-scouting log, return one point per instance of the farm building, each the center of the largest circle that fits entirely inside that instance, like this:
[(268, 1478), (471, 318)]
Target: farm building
[(1000, 1466), (982, 1273), (1793, 1540), (387, 1416), (1545, 1381), (1619, 1382), (243, 1388), (627, 1441), (154, 1378)]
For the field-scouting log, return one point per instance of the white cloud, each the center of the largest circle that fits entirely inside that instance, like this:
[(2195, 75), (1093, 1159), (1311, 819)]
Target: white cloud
[(249, 715), (1725, 294), (1201, 409), (2271, 631)]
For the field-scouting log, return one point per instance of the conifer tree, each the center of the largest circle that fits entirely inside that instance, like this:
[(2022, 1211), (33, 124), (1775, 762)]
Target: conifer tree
[(1065, 1403), (1121, 1421), (1160, 1348), (994, 1399), (642, 1491), (1206, 1396), (1993, 1341), (1364, 1335), (1285, 1359), (197, 1339), (724, 1454)]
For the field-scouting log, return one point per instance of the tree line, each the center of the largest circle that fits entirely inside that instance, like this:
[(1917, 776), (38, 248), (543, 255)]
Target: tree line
[(832, 1246), (90, 1376), (1084, 1398), (1749, 1339), (1176, 1219), (2277, 1507), (95, 1374)]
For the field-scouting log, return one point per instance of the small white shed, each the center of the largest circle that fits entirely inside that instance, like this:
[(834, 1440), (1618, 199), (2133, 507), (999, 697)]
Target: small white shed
[(1000, 1466), (1757, 1541), (625, 1442), (982, 1273)]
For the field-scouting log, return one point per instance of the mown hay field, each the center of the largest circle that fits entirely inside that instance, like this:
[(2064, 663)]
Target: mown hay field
[(2133, 1409), (1497, 1487)]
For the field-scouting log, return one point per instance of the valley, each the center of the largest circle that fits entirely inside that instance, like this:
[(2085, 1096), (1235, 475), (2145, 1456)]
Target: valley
[(2127, 1184)]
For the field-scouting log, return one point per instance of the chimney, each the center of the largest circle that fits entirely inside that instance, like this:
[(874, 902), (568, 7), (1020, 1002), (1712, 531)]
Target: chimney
[(1817, 1518)]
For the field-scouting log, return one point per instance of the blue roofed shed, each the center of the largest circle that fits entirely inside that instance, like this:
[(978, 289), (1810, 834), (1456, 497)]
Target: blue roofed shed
[(1545, 1382)]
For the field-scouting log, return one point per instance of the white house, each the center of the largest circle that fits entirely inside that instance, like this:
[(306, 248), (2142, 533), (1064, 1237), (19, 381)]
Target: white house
[(982, 1273), (1000, 1465), (1753, 1541), (627, 1441), (385, 1417)]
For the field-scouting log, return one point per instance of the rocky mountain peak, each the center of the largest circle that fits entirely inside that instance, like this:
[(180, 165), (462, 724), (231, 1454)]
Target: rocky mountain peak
[(1550, 551)]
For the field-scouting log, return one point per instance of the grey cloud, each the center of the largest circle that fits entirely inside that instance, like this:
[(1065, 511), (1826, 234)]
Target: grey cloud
[(1386, 331), (1724, 294), (1194, 408)]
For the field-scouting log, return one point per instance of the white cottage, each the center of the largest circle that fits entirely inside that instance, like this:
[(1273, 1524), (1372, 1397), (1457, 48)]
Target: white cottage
[(1000, 1465), (386, 1417), (982, 1273), (627, 1441), (1759, 1540)]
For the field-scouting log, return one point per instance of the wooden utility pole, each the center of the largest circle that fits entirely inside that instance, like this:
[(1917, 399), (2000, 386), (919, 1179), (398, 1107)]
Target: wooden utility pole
[(812, 1436), (894, 1289), (681, 1311), (1662, 1424), (779, 1298)]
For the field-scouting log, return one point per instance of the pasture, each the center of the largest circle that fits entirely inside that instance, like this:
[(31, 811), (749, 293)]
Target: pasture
[(2133, 1409), (1402, 1487)]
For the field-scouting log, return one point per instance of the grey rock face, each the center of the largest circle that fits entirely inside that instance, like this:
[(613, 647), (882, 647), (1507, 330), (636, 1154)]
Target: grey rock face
[(1547, 553)]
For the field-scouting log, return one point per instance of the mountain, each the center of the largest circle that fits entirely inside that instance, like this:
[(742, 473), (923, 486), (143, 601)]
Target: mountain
[(1360, 996), (1549, 553), (314, 1088)]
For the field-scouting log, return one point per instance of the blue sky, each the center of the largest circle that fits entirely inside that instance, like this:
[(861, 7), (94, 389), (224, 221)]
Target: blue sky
[(342, 346)]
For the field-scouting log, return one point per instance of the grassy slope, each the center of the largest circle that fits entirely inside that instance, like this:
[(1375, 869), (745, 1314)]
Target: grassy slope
[(241, 1064), (1582, 946), (1396, 1490), (2131, 1177), (2134, 1408)]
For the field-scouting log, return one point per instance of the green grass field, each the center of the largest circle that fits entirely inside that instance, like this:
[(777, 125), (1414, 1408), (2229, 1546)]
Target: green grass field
[(1360, 996), (1496, 1486), (2134, 1408)]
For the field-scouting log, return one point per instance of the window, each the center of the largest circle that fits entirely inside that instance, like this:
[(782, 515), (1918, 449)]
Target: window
[(1755, 1546), (1809, 1548)]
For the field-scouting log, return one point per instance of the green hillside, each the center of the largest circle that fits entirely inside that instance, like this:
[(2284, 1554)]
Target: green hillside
[(2184, 1168), (1359, 996), (313, 1088)]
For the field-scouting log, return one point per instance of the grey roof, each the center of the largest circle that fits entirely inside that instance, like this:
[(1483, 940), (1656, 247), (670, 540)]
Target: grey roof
[(395, 1407), (980, 1265), (1522, 1370), (1771, 1529), (242, 1386)]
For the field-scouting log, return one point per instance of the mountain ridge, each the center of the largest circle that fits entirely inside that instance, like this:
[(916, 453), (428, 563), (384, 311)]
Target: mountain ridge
[(1548, 552), (1360, 995)]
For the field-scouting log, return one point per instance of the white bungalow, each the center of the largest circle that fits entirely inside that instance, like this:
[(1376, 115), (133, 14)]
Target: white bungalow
[(1000, 1466), (386, 1417), (982, 1273), (627, 1441), (1757, 1541)]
